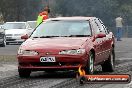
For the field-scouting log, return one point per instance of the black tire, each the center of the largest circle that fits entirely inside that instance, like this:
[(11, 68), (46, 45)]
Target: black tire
[(90, 64), (23, 73), (109, 65)]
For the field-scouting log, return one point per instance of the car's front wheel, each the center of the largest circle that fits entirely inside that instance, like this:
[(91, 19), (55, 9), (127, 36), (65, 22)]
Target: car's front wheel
[(90, 64), (109, 65), (23, 73)]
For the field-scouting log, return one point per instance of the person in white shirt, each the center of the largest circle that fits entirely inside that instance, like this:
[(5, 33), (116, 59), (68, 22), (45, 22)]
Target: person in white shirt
[(119, 25)]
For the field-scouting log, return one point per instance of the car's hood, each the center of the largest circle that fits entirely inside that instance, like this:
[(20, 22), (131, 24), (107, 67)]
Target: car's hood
[(54, 43), (15, 31)]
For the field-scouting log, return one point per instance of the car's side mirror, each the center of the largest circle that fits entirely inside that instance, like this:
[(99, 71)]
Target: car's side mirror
[(100, 35), (24, 37)]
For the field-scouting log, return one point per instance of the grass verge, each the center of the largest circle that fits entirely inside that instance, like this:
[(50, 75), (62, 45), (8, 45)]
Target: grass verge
[(8, 58)]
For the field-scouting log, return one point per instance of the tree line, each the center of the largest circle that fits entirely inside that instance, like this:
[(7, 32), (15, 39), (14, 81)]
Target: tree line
[(19, 10), (107, 10)]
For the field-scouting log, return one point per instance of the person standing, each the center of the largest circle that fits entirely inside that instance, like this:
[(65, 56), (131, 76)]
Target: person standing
[(43, 15), (119, 27)]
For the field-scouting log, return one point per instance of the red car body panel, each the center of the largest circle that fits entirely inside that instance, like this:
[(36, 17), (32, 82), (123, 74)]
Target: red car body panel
[(52, 46)]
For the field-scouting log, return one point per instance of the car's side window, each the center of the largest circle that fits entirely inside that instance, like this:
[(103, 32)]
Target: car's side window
[(101, 28), (95, 27), (105, 28), (96, 30)]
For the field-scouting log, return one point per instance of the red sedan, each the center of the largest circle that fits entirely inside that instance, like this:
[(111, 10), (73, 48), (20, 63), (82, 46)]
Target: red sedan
[(65, 43)]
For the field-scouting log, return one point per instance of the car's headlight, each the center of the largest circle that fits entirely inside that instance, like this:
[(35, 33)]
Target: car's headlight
[(27, 52), (72, 52)]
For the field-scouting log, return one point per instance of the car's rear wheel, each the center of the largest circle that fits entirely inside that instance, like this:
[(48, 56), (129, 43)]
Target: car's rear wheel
[(109, 65), (90, 64), (23, 73)]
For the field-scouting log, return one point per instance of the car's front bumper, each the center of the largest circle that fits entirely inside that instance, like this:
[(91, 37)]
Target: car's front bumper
[(14, 39), (63, 62)]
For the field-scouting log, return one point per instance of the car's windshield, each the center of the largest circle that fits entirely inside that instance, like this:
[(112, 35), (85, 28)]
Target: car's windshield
[(14, 26), (63, 29), (32, 24)]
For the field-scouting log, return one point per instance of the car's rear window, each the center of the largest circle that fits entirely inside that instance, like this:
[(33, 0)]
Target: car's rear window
[(63, 28), (32, 24), (14, 26)]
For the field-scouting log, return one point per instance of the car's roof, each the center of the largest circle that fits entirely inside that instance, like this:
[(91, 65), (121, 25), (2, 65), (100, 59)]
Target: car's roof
[(72, 18), (32, 21), (15, 22)]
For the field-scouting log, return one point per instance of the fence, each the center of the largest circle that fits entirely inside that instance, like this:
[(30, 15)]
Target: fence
[(126, 32)]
